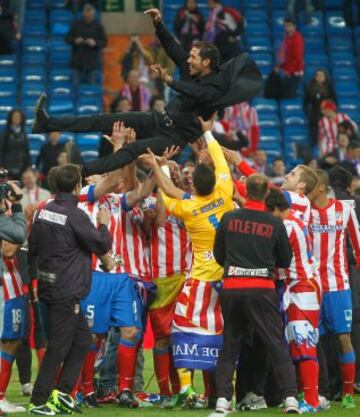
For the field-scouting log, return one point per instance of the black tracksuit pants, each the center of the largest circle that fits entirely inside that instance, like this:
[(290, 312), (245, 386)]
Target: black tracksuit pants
[(259, 309), (69, 338), (151, 132)]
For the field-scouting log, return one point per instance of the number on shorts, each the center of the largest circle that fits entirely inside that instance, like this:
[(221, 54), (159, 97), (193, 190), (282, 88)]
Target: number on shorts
[(90, 311), (214, 221), (16, 316)]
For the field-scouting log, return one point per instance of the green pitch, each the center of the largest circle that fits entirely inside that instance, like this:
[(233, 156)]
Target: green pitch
[(112, 410)]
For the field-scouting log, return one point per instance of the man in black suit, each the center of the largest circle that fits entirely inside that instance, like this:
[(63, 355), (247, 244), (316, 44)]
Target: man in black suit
[(202, 89)]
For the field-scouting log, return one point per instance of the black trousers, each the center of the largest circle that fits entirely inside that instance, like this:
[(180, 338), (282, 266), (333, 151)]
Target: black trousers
[(151, 132), (258, 308), (69, 337)]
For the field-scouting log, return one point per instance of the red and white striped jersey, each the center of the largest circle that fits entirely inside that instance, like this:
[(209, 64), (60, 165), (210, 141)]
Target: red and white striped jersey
[(170, 249), (125, 230), (328, 132), (242, 117), (12, 282), (300, 205), (328, 227), (303, 264)]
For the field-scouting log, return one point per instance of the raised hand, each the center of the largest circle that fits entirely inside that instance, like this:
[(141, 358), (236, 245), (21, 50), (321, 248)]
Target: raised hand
[(207, 125), (232, 157), (161, 72), (130, 135), (117, 138), (155, 15)]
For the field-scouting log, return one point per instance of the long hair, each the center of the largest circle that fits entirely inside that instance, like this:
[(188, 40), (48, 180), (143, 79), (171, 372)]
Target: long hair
[(9, 118)]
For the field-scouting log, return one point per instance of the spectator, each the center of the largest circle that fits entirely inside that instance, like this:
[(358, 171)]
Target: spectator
[(136, 57), (355, 186), (77, 5), (352, 159), (14, 146), (283, 81), (49, 153), (318, 89), (277, 171), (87, 37), (338, 154), (243, 118), (312, 163), (328, 127), (159, 56), (293, 5), (157, 103), (32, 193), (223, 28), (348, 128), (189, 24), (260, 161), (8, 28), (120, 105), (138, 95)]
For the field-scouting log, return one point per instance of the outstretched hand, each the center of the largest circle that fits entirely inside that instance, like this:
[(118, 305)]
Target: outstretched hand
[(117, 138), (207, 125), (151, 160), (161, 72), (155, 15), (232, 157)]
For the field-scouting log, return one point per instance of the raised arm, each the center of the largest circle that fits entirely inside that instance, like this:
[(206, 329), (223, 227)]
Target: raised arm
[(171, 46)]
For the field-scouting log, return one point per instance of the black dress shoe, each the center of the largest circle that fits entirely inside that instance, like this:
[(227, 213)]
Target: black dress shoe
[(40, 116)]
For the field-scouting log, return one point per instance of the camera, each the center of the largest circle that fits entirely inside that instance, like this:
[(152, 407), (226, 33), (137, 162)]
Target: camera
[(6, 189)]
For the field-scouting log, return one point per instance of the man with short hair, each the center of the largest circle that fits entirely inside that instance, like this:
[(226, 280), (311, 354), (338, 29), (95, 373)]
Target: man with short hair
[(202, 89), (351, 161), (250, 244), (331, 222), (62, 240), (197, 325), (32, 193)]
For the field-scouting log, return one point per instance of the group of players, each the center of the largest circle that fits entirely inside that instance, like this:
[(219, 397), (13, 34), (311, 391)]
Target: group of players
[(165, 236)]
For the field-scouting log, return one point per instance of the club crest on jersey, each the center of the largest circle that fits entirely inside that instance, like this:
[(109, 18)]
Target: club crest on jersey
[(338, 216)]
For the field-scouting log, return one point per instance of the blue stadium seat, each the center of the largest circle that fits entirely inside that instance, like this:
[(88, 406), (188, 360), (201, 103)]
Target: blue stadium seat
[(36, 140), (295, 131), (38, 16), (38, 42), (60, 28), (34, 153), (32, 57), (34, 73), (60, 75), (87, 110), (291, 104), (277, 20), (8, 61), (265, 105), (90, 90), (294, 121), (8, 103), (254, 16), (88, 156), (346, 73), (7, 76), (61, 15), (346, 104), (268, 120), (87, 142), (34, 30), (61, 108), (270, 134), (254, 4), (90, 101), (263, 58), (259, 43), (32, 88), (258, 29), (36, 4), (346, 89), (60, 56), (66, 136)]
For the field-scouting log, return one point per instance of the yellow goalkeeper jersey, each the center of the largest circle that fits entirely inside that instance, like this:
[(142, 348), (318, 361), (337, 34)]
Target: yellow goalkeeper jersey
[(202, 214)]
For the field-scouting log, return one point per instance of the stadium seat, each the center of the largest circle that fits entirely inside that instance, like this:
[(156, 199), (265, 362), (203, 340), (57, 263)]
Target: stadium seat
[(36, 140), (87, 110), (87, 142), (88, 156)]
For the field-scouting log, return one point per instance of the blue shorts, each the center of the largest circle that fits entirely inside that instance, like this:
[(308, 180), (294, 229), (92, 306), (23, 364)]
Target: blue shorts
[(113, 301), (12, 317), (336, 312)]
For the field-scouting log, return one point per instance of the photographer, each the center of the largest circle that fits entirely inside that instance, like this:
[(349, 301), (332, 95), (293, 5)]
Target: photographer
[(12, 228), (136, 57)]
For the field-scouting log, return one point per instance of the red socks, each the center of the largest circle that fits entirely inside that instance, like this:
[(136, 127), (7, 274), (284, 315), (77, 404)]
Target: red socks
[(348, 377), (6, 361), (162, 369), (347, 362), (88, 371), (40, 355), (309, 375), (127, 353)]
